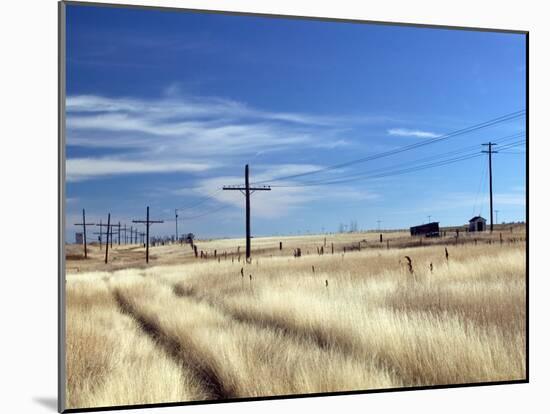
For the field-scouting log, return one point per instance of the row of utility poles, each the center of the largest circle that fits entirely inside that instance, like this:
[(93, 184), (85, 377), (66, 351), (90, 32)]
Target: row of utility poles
[(133, 232), (247, 190), (109, 233)]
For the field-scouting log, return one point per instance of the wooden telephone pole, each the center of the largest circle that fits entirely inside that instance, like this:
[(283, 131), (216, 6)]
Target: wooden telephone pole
[(84, 224), (111, 229), (112, 232), (108, 232), (247, 190), (147, 223), (490, 151), (176, 212), (100, 233)]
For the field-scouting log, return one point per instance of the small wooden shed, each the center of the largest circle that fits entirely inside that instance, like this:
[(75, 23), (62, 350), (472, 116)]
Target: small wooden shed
[(477, 223)]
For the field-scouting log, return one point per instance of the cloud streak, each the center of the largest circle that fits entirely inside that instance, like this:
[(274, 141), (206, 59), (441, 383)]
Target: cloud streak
[(79, 169), (208, 130), (198, 107), (404, 132)]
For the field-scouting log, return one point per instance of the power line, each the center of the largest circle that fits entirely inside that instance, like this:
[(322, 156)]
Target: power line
[(391, 171), (504, 118), (208, 212), (417, 161), (202, 200), (513, 145)]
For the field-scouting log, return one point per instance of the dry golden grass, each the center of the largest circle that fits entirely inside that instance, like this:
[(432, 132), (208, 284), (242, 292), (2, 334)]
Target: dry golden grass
[(200, 330), (110, 361)]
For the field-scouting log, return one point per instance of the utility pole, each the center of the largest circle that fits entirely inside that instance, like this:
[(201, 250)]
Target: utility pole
[(131, 235), (107, 241), (379, 221), (111, 235), (84, 224), (247, 190), (429, 219), (496, 216), (101, 232), (115, 225), (176, 212), (147, 223), (490, 151)]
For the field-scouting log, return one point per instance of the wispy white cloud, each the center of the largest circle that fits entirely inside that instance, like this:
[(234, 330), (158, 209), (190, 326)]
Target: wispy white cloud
[(200, 127), (211, 131), (79, 169), (208, 130), (404, 132), (184, 107)]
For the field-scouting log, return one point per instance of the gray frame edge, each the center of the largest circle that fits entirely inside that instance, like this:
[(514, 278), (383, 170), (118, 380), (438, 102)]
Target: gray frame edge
[(61, 346)]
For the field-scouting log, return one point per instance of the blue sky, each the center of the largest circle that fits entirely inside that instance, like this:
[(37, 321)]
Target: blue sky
[(164, 108)]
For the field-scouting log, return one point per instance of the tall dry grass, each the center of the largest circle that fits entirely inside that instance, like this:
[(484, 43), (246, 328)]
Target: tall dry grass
[(285, 331), (110, 361)]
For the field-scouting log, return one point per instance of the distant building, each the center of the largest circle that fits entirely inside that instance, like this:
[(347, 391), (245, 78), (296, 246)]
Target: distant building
[(477, 223), (428, 230), (79, 238)]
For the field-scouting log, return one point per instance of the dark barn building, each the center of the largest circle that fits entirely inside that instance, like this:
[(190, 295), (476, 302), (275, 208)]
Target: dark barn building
[(428, 230)]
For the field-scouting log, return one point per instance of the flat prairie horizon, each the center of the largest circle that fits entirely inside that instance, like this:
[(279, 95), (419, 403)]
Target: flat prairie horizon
[(349, 312)]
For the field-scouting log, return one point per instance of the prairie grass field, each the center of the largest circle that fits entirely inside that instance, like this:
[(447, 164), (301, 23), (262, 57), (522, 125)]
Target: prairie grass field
[(184, 328)]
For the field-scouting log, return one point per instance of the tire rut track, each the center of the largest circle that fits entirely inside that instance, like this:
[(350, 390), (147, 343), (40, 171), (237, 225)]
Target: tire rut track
[(185, 354), (316, 335)]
